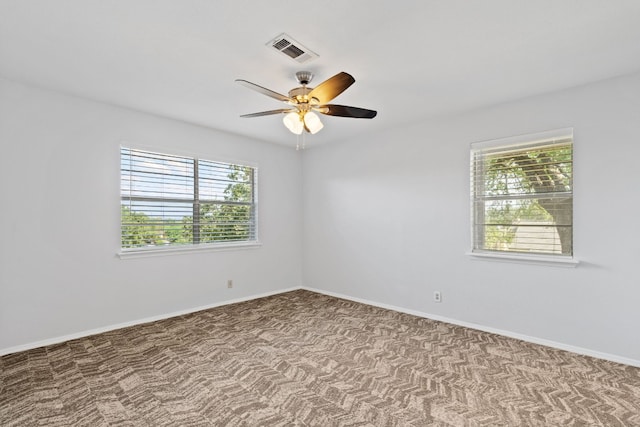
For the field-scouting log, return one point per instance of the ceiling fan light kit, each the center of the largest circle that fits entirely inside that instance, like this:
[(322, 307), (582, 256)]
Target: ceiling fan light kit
[(297, 122), (312, 122), (293, 122), (305, 102)]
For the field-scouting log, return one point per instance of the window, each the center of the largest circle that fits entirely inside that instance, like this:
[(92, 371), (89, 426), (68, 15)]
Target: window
[(170, 201), (522, 195)]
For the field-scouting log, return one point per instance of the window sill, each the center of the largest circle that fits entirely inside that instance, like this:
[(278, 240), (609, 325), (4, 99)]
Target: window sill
[(547, 260), (180, 250)]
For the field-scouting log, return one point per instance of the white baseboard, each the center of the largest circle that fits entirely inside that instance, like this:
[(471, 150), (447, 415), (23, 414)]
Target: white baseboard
[(534, 340), (86, 333)]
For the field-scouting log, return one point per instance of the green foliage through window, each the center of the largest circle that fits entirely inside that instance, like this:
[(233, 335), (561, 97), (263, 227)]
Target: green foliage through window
[(170, 200), (522, 196)]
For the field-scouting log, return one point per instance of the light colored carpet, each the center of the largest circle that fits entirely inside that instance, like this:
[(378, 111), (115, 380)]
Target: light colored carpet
[(305, 359)]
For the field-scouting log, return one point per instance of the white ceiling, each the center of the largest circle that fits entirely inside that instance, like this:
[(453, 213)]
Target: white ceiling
[(412, 59)]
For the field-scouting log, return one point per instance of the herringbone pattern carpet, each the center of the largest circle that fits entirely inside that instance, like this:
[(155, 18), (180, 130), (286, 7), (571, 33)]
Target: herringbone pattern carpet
[(304, 359)]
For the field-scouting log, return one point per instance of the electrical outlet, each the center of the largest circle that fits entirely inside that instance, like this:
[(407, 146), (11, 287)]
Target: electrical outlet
[(229, 283), (437, 296)]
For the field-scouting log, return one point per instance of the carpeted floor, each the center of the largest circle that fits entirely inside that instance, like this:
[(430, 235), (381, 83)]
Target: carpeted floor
[(304, 359)]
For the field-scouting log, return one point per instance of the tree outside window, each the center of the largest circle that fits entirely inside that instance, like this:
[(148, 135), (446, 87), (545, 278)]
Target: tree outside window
[(522, 194), (170, 200)]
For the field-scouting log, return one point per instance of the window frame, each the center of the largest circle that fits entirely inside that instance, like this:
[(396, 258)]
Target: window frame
[(196, 201), (477, 233)]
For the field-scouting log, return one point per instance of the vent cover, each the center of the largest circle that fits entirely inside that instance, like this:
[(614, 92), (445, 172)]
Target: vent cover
[(292, 49)]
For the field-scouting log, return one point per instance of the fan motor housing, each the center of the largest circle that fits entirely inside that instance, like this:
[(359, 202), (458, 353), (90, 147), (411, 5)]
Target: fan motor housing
[(300, 94)]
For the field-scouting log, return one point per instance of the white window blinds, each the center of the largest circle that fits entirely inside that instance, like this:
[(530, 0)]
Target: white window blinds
[(522, 194), (169, 200)]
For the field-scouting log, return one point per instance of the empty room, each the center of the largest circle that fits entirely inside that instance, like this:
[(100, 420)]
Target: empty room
[(338, 213)]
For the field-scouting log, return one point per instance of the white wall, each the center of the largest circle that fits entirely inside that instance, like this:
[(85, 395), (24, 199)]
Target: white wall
[(386, 219), (59, 221), (383, 218)]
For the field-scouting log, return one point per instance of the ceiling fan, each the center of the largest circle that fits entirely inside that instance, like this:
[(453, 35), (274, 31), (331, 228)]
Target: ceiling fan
[(304, 102)]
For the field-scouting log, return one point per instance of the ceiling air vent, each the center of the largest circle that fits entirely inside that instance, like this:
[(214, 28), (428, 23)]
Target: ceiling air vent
[(294, 50)]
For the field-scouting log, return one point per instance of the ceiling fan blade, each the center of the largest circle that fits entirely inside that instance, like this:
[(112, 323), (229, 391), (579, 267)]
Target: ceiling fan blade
[(346, 111), (329, 89), (265, 91), (270, 112)]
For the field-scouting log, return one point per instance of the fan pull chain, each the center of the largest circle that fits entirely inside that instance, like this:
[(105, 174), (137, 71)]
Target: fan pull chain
[(298, 137)]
